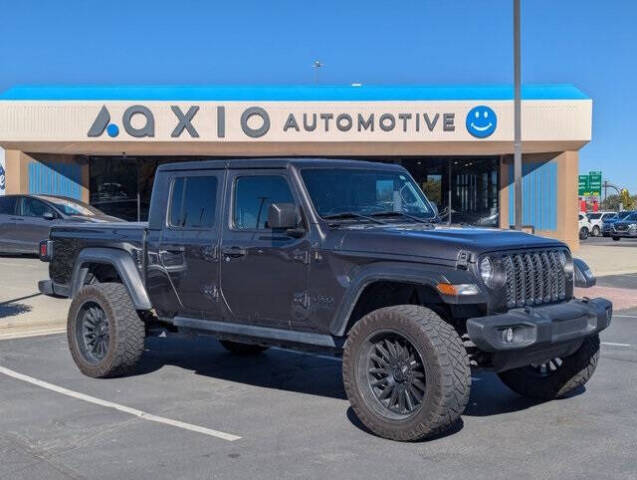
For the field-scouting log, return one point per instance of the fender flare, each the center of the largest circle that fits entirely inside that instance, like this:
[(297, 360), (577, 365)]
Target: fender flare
[(123, 264), (417, 274)]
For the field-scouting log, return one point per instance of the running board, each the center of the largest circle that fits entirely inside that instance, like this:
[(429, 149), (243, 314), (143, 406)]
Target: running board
[(256, 332)]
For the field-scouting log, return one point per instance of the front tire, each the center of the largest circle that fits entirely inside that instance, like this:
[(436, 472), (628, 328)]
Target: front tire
[(596, 231), (406, 372), (104, 331), (583, 233), (557, 377), (616, 239)]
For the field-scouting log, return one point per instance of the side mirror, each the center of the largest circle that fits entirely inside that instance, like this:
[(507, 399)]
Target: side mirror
[(283, 216), (584, 278), (48, 216)]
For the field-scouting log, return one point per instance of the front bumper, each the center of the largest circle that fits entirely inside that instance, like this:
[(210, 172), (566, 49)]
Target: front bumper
[(630, 233), (535, 334)]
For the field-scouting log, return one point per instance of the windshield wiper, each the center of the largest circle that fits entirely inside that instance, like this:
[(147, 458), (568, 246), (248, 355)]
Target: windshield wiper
[(344, 215), (402, 214)]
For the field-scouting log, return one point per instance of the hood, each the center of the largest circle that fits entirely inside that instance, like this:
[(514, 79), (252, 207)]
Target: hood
[(435, 242)]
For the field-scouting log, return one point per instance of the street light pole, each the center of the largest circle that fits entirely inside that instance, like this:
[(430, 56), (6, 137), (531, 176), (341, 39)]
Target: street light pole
[(517, 116)]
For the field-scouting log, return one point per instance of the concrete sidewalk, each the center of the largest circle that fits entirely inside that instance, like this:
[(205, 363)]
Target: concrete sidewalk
[(23, 310), (609, 259)]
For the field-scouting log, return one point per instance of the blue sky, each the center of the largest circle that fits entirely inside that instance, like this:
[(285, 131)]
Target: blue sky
[(588, 43)]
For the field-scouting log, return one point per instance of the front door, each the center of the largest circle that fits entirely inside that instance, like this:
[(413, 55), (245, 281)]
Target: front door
[(264, 273), (32, 227)]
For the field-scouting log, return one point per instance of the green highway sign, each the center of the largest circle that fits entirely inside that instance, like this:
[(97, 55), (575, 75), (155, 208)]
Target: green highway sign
[(590, 185), (582, 189)]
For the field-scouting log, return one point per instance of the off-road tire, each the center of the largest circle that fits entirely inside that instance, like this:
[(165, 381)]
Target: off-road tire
[(242, 348), (446, 368), (126, 330), (576, 370), (596, 231)]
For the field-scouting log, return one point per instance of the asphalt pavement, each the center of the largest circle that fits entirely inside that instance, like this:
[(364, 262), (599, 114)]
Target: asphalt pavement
[(192, 410)]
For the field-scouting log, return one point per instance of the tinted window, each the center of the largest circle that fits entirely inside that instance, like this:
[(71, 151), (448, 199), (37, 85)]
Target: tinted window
[(632, 217), (608, 216), (364, 192), (193, 202), (594, 216), (7, 205), (253, 197), (34, 208)]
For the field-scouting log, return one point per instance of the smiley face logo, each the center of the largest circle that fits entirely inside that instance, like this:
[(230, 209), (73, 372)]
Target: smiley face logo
[(481, 121)]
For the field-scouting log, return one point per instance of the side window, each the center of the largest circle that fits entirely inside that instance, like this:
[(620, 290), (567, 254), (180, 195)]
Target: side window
[(193, 202), (32, 207), (253, 196), (7, 205)]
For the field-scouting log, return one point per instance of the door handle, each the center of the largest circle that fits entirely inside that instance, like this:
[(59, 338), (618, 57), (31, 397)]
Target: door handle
[(234, 252)]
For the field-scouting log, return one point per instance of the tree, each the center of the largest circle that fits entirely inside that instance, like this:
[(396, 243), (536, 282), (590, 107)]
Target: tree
[(626, 199)]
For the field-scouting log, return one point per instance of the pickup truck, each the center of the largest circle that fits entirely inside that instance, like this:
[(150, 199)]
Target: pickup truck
[(339, 256)]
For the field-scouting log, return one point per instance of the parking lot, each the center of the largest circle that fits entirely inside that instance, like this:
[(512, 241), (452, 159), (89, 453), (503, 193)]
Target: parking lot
[(192, 410)]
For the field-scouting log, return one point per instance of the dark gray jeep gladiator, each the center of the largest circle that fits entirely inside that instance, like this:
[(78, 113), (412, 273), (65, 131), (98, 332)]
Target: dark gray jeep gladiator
[(336, 256)]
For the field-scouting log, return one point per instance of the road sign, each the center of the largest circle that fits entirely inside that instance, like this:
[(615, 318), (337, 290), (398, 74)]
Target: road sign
[(595, 183), (583, 186)]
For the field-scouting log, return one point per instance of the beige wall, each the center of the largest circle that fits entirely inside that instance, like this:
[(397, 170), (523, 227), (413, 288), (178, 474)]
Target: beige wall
[(567, 209)]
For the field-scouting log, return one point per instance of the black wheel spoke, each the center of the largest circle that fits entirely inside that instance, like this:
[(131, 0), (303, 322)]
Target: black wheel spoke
[(92, 333), (395, 374)]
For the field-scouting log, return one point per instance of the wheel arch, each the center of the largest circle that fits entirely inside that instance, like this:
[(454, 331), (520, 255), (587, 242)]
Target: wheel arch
[(405, 280), (122, 264)]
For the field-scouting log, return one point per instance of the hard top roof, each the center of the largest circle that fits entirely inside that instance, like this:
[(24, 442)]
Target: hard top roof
[(264, 163)]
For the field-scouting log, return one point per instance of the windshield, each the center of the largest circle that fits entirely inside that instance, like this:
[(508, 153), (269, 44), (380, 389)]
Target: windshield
[(72, 207), (594, 216), (340, 191)]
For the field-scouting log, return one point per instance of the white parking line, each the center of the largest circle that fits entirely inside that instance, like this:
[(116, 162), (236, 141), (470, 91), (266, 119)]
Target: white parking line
[(623, 316), (31, 333), (121, 408), (613, 344)]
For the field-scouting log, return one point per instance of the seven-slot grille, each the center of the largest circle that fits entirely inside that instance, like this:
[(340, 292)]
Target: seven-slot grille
[(534, 277)]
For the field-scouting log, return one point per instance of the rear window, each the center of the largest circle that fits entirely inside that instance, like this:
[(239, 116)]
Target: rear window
[(193, 202), (7, 205)]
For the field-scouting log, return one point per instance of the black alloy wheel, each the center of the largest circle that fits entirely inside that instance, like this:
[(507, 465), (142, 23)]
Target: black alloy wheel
[(395, 373), (92, 330)]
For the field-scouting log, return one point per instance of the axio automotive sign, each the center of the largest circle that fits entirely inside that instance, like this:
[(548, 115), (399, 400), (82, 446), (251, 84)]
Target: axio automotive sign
[(255, 122)]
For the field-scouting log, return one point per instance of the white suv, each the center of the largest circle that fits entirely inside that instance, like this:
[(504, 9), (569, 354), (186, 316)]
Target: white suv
[(585, 227), (596, 219)]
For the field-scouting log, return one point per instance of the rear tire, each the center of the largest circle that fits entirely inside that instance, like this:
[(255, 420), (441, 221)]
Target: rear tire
[(406, 373), (104, 331), (542, 383), (242, 348)]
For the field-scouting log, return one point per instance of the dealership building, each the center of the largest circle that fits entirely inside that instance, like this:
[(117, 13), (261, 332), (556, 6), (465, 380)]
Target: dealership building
[(103, 144)]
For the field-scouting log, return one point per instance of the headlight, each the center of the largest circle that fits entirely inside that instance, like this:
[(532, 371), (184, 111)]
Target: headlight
[(487, 271), (567, 263)]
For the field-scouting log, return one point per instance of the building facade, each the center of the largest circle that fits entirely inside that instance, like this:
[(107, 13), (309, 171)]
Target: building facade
[(103, 144)]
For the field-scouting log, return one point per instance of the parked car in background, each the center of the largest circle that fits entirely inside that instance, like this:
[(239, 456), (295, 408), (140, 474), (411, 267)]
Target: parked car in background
[(597, 219), (585, 227), (27, 219), (626, 227), (607, 224)]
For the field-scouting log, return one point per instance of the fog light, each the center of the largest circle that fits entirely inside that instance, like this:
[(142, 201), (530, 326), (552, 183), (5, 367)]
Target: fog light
[(507, 335)]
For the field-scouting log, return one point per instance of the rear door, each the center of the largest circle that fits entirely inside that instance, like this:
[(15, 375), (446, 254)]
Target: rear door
[(188, 245), (7, 223), (32, 227)]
